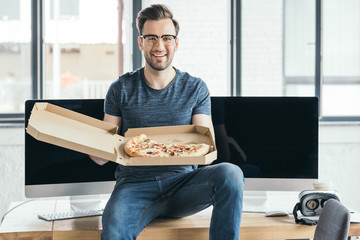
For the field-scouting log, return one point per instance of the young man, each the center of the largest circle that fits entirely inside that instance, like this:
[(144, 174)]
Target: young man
[(160, 95)]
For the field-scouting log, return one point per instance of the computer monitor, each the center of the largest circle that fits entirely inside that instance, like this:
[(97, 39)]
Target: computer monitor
[(274, 140), (52, 171)]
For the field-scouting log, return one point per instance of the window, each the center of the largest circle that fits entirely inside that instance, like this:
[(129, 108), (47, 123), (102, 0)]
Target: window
[(9, 10), (10, 48), (341, 51), (82, 47), (15, 80), (64, 9), (204, 41), (278, 48), (246, 47), (299, 47)]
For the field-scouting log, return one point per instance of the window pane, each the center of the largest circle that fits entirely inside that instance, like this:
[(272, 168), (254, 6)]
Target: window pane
[(204, 41), (65, 9), (278, 48), (9, 10), (15, 35), (341, 58), (82, 55)]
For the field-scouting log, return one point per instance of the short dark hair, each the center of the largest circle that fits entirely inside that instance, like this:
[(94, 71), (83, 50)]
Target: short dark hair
[(155, 12)]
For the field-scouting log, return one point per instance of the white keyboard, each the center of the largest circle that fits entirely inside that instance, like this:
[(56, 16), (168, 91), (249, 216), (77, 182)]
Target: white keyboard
[(70, 214)]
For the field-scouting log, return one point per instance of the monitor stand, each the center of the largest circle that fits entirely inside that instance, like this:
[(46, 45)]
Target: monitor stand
[(263, 201), (88, 202), (255, 201)]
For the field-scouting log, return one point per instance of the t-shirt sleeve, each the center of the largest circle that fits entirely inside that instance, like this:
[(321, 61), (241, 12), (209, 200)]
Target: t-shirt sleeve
[(203, 105), (111, 102)]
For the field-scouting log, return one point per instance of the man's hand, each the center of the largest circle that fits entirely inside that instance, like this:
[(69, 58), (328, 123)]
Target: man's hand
[(204, 120), (98, 160), (113, 120)]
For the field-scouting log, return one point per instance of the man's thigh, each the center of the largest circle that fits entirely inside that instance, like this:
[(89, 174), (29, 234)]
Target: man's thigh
[(196, 191), (132, 205)]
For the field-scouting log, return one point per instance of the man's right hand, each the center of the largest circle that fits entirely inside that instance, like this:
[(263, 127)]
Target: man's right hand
[(113, 120), (98, 160)]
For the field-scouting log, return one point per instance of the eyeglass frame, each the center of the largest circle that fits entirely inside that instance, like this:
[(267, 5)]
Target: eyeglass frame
[(157, 38)]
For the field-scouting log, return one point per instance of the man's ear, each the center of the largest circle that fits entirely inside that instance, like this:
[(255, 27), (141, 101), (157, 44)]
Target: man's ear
[(140, 44), (176, 44)]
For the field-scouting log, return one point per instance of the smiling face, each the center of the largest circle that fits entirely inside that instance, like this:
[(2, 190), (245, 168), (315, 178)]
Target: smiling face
[(158, 56)]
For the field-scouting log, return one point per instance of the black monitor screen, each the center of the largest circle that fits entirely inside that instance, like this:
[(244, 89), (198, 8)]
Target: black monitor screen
[(47, 164), (267, 137)]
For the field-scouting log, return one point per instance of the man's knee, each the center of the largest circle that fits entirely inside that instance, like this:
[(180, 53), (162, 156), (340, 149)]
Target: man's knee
[(118, 223), (231, 175)]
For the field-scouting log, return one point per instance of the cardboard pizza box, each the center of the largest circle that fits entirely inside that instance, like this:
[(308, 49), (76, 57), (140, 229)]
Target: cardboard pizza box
[(65, 128)]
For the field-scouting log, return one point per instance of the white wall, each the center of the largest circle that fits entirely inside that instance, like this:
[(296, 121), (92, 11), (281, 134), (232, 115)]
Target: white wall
[(12, 178), (339, 162), (339, 154)]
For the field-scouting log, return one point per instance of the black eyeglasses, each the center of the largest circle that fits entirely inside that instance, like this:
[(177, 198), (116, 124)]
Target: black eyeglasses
[(152, 39)]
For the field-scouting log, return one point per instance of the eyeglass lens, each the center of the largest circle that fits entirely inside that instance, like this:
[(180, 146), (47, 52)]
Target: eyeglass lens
[(152, 39)]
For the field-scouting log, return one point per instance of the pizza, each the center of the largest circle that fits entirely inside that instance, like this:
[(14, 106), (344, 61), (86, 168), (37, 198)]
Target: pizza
[(141, 146)]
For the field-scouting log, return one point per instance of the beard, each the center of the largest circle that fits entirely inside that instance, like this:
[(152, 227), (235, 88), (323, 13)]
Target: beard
[(158, 65)]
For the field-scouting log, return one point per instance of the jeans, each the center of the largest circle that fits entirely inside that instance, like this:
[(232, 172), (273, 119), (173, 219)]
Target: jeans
[(135, 202)]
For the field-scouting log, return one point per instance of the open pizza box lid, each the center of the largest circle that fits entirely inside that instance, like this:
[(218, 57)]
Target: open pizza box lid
[(65, 128)]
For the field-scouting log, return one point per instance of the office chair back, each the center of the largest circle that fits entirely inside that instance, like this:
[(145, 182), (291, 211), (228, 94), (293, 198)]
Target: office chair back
[(334, 222)]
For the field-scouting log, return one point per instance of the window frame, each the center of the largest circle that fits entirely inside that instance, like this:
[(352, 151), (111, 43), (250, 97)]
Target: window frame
[(37, 55)]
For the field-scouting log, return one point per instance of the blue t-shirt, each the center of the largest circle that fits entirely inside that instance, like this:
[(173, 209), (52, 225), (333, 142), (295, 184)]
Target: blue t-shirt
[(139, 105)]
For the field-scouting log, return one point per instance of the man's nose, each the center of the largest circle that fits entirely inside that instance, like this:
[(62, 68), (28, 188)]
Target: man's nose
[(159, 43)]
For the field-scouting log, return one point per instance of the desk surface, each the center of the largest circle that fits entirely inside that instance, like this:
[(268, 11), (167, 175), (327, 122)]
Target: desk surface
[(22, 223)]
